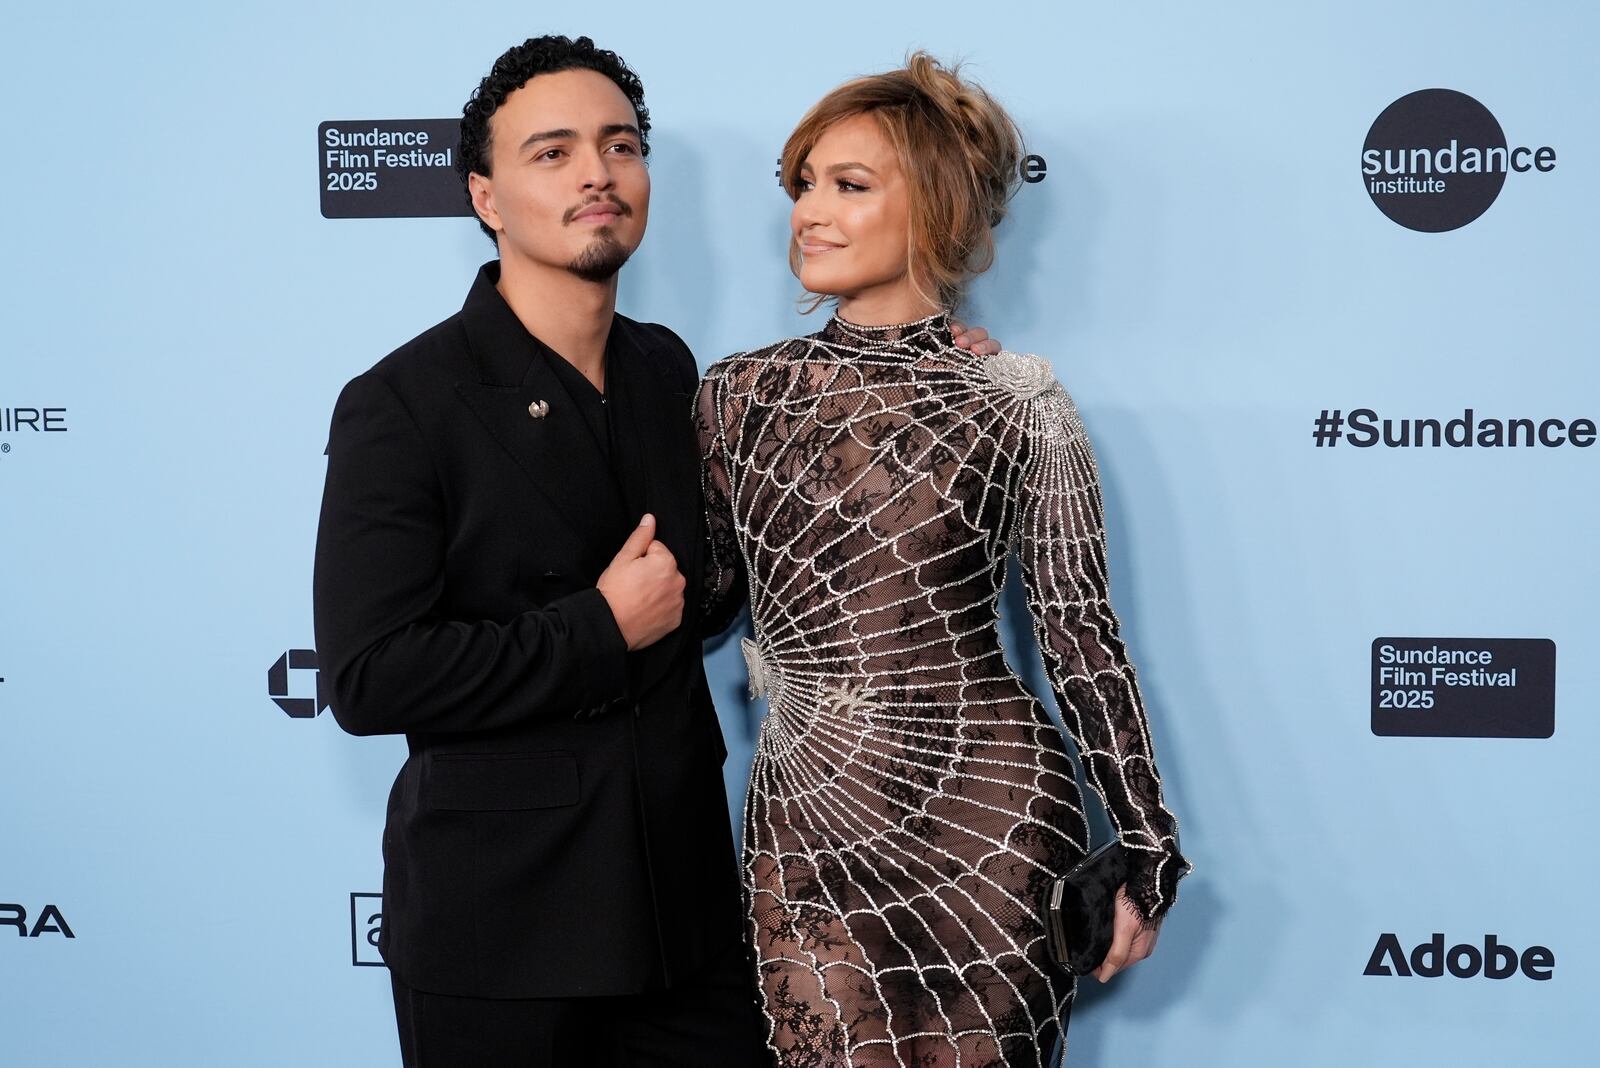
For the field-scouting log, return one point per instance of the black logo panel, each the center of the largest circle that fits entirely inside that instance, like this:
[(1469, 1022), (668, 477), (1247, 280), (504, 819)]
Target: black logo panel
[(1464, 687), (390, 169)]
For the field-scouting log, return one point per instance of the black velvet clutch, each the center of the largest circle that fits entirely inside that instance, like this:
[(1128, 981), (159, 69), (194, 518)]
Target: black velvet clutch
[(1080, 909)]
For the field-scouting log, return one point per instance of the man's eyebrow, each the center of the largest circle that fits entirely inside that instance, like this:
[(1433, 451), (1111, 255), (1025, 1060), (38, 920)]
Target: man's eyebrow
[(565, 134), (838, 167), (550, 135)]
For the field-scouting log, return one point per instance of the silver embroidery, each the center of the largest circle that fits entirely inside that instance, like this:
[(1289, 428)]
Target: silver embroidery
[(1025, 375), (909, 798), (756, 665)]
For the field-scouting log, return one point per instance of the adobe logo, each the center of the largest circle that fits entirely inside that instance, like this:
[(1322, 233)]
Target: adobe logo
[(1465, 960)]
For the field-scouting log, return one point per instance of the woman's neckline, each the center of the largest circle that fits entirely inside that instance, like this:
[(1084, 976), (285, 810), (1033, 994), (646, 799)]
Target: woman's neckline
[(933, 328)]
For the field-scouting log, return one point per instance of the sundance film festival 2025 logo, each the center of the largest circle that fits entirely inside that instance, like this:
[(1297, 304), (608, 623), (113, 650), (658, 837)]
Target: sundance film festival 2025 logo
[(366, 925), (1464, 687), (390, 169), (1434, 160), (295, 684)]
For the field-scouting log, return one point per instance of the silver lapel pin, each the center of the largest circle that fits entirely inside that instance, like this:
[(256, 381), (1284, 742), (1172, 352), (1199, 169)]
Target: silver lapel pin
[(539, 409)]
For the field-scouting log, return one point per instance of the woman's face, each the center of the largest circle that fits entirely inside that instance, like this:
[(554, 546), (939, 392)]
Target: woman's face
[(851, 221)]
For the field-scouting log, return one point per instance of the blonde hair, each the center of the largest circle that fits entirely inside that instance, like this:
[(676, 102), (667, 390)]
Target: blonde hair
[(960, 153)]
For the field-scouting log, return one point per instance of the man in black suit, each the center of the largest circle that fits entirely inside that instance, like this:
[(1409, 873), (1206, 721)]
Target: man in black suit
[(509, 548), (511, 510)]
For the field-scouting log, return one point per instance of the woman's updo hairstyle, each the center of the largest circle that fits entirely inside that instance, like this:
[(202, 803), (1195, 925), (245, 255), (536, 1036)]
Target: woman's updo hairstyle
[(959, 151)]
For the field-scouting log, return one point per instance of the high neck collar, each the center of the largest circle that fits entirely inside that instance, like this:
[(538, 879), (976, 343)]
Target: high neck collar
[(927, 334)]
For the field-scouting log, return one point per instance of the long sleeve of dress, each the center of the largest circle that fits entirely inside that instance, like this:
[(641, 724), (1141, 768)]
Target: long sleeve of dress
[(1063, 554), (723, 583)]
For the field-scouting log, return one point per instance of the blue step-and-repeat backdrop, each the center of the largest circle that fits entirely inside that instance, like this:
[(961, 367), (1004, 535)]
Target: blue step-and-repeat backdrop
[(1321, 278)]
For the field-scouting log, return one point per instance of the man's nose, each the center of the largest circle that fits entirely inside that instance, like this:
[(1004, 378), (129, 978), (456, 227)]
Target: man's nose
[(596, 172)]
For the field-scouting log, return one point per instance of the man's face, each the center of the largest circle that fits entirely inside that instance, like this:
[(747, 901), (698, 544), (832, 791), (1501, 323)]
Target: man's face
[(570, 189)]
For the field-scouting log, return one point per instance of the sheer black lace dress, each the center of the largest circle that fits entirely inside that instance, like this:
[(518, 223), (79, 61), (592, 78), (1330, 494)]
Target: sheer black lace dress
[(909, 798)]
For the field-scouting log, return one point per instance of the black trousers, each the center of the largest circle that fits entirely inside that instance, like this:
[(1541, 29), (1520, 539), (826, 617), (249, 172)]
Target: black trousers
[(708, 1021)]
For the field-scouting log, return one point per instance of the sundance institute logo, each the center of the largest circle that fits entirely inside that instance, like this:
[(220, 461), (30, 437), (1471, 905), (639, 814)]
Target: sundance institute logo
[(1436, 159)]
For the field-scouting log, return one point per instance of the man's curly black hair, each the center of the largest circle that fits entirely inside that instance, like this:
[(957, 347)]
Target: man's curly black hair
[(535, 56)]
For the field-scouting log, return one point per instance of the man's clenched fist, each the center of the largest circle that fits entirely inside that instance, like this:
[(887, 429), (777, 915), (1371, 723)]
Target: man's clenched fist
[(643, 587)]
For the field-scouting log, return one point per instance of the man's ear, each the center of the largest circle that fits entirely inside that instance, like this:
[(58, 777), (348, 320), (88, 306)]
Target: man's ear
[(481, 189)]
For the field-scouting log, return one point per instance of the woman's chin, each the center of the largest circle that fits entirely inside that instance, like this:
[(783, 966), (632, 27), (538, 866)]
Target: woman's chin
[(827, 284)]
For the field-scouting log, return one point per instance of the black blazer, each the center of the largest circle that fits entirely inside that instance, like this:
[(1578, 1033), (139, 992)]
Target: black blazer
[(560, 827)]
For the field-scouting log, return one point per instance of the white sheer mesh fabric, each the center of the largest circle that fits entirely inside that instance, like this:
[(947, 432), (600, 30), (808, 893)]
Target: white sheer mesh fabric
[(910, 799)]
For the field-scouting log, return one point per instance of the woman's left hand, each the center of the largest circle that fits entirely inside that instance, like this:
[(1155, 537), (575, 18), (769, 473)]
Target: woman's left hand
[(975, 338), (1131, 940)]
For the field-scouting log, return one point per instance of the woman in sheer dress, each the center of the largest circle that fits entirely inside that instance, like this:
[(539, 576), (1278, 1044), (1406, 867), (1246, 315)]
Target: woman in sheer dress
[(909, 798)]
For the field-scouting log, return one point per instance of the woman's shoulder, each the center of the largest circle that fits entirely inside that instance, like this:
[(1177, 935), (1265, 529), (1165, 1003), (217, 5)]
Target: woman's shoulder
[(1024, 392), (1023, 375)]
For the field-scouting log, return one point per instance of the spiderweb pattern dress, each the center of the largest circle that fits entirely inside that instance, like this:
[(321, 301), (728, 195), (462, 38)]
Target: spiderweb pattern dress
[(909, 799)]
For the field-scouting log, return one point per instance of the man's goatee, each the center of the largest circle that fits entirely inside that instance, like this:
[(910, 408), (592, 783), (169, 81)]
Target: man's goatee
[(601, 260)]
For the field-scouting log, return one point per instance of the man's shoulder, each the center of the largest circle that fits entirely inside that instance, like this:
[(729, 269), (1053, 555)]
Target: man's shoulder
[(655, 336), (411, 378), (440, 350)]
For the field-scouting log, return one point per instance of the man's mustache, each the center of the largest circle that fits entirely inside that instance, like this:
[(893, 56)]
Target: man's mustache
[(610, 198)]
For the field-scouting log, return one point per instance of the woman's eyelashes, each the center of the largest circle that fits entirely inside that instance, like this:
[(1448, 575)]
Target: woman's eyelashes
[(843, 185)]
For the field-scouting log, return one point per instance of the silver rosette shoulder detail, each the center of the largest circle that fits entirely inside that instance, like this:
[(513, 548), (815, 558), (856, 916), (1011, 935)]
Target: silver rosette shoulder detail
[(1023, 374)]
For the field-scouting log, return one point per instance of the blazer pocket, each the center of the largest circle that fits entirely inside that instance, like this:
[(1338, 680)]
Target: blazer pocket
[(500, 782)]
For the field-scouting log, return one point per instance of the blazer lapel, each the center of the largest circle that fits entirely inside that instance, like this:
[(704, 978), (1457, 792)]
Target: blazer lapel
[(653, 428), (556, 451), (658, 465)]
